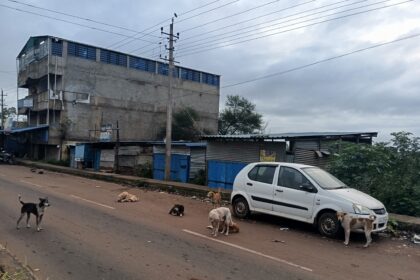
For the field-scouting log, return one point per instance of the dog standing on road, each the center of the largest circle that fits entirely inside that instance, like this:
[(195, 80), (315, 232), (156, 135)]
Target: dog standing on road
[(37, 210), (216, 198), (220, 216), (348, 223)]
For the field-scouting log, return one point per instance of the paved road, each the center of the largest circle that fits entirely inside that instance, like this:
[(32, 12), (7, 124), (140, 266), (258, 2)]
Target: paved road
[(88, 237)]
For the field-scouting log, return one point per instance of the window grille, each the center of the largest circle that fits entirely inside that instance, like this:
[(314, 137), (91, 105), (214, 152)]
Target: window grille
[(143, 64), (113, 58), (82, 51), (57, 48)]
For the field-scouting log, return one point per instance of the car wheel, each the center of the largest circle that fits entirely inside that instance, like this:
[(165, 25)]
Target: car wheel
[(240, 208), (328, 224)]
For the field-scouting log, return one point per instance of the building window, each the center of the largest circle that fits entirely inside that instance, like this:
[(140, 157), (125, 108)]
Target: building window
[(113, 58), (210, 79), (82, 51), (57, 47), (191, 75), (142, 64), (163, 69)]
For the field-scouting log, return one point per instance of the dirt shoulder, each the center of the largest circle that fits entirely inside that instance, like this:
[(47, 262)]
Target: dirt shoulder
[(11, 268)]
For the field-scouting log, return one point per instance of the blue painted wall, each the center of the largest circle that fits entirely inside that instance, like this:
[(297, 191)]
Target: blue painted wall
[(221, 174), (180, 167)]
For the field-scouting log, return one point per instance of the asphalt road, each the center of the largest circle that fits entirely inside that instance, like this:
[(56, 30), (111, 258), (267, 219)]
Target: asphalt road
[(83, 239), (88, 235)]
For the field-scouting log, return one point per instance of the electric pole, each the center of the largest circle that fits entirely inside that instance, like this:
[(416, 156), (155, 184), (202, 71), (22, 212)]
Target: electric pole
[(2, 109), (171, 61)]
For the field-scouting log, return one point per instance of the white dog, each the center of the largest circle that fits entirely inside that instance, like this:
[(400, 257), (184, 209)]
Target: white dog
[(348, 223), (218, 216)]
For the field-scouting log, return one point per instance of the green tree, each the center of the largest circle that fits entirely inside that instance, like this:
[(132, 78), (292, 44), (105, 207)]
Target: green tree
[(185, 125), (8, 112), (388, 171), (239, 117)]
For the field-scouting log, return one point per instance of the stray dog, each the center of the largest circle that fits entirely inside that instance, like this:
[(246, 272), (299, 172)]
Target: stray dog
[(127, 197), (216, 198), (348, 223), (177, 210), (29, 208), (220, 216)]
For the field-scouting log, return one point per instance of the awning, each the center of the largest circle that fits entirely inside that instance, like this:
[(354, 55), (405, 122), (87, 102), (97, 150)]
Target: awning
[(24, 129)]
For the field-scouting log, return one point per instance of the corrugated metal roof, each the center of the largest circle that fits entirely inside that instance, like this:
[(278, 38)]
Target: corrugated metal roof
[(291, 135), (25, 129)]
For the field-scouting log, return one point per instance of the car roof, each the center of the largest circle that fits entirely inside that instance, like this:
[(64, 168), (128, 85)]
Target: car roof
[(290, 164)]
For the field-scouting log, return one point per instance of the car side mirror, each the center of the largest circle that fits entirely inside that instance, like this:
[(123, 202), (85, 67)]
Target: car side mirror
[(308, 187)]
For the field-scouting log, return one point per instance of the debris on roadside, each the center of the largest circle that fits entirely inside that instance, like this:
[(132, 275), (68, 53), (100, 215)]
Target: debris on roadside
[(278, 241), (416, 239), (284, 228), (41, 171)]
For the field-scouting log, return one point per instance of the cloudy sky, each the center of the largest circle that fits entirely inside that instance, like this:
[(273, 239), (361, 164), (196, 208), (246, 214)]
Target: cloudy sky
[(244, 41)]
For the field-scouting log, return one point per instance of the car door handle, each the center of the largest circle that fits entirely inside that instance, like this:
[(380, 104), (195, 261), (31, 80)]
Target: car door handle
[(249, 184), (279, 190)]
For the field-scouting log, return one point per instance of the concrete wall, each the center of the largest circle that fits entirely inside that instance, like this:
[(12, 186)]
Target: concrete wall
[(95, 92)]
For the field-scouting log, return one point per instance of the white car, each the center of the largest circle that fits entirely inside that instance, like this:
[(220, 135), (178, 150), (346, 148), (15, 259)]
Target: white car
[(301, 192)]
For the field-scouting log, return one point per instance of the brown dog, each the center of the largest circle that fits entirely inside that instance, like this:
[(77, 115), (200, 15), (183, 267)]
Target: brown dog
[(127, 197), (216, 198), (348, 223)]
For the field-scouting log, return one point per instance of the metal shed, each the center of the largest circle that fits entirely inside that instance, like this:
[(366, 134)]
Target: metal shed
[(186, 162), (228, 154)]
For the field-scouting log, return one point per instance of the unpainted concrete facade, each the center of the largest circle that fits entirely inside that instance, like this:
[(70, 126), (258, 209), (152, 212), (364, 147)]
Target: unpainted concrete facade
[(87, 93)]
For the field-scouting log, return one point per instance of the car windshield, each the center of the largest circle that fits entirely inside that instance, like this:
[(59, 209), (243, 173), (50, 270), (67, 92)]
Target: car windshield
[(324, 179)]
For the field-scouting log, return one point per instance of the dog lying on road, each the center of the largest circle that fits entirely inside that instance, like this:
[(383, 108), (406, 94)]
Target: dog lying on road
[(127, 197), (220, 216), (177, 210), (348, 223), (37, 210), (216, 198)]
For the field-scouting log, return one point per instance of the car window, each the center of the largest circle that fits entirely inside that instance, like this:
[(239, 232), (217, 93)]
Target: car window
[(324, 179), (291, 178), (262, 173)]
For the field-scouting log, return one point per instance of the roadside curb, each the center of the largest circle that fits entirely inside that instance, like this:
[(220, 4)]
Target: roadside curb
[(406, 223), (170, 186)]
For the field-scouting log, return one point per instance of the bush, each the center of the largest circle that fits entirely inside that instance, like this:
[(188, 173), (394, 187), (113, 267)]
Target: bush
[(144, 170), (389, 172), (199, 178)]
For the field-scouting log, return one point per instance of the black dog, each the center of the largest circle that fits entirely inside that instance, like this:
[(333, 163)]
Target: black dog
[(177, 210), (33, 208)]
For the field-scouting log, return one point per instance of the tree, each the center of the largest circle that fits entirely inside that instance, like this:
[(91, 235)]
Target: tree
[(185, 125), (387, 171), (239, 117), (8, 112)]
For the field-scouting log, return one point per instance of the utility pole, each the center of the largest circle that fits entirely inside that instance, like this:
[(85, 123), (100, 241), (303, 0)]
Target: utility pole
[(171, 61), (2, 109)]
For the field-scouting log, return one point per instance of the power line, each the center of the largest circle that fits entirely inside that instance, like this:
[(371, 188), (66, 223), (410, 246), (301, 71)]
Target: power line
[(259, 27), (261, 16), (237, 32), (120, 43), (71, 22), (78, 17), (291, 7), (322, 61), (288, 30), (208, 11), (239, 13)]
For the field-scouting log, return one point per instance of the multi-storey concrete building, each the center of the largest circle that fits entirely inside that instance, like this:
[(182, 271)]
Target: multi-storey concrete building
[(75, 89)]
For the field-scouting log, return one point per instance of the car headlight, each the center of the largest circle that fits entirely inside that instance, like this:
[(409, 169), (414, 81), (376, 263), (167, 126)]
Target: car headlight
[(360, 209)]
